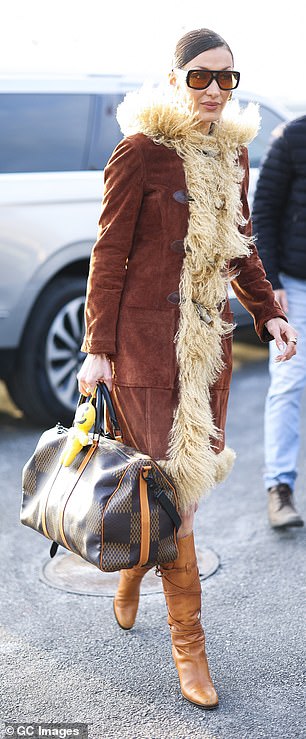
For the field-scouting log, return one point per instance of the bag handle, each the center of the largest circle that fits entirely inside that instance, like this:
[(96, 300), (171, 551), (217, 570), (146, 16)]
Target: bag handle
[(101, 398), (104, 399)]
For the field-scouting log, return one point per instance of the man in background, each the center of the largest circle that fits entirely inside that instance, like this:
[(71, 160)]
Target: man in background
[(279, 221)]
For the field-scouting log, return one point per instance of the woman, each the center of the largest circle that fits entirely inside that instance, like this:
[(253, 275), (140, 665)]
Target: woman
[(174, 229)]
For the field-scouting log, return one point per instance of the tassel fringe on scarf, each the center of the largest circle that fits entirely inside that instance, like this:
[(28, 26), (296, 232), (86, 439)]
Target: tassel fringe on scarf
[(213, 180)]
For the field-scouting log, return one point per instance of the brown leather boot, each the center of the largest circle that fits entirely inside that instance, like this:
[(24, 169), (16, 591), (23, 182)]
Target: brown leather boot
[(127, 596), (182, 590)]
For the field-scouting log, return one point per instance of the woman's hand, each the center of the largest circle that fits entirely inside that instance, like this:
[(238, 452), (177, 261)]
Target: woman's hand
[(95, 368), (283, 333)]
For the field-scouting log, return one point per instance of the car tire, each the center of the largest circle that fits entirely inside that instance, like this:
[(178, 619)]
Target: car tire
[(43, 384)]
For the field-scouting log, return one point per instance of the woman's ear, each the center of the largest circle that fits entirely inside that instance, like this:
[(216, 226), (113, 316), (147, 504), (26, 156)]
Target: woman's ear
[(172, 78)]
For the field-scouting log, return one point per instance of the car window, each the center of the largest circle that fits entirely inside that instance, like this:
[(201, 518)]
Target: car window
[(44, 132), (107, 133), (258, 148)]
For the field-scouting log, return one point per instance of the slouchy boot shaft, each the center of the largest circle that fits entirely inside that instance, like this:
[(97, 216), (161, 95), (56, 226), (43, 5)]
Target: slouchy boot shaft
[(182, 589)]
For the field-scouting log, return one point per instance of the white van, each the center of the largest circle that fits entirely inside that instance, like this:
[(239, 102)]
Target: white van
[(55, 137)]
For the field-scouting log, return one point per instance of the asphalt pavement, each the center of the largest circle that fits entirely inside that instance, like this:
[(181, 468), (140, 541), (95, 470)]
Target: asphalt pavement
[(65, 660)]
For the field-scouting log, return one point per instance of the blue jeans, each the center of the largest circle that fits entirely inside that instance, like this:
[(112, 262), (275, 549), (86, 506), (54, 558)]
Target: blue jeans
[(283, 402)]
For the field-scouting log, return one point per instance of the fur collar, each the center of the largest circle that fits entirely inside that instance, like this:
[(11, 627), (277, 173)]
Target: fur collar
[(165, 115)]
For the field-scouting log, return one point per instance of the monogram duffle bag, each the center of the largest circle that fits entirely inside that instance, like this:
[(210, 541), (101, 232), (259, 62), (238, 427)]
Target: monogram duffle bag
[(87, 491)]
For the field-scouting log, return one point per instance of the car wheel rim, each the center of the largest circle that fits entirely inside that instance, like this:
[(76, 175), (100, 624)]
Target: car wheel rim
[(63, 355)]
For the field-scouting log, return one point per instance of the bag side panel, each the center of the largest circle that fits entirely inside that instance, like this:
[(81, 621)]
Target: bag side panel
[(121, 533), (37, 477), (162, 533)]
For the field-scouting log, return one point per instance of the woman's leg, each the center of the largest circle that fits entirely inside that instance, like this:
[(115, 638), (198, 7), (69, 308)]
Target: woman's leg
[(145, 416), (182, 589), (187, 519), (127, 596)]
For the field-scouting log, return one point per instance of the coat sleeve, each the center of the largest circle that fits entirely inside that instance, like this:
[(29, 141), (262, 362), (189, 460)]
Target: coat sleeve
[(269, 204), (122, 200), (251, 287)]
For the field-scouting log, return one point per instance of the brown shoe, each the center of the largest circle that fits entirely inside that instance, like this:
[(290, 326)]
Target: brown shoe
[(182, 589), (127, 596), (281, 510)]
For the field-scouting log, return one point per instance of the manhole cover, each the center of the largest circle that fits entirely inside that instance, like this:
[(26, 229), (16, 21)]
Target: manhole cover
[(71, 573)]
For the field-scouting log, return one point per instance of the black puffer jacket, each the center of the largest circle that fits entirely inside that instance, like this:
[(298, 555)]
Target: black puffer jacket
[(279, 209)]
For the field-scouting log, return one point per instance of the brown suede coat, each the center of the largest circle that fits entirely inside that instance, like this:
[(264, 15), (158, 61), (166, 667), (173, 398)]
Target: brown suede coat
[(132, 306)]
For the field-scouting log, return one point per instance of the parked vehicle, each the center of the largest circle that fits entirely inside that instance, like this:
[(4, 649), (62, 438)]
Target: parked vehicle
[(56, 136), (272, 116)]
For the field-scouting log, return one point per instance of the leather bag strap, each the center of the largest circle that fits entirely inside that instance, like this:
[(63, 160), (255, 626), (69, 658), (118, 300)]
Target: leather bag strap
[(104, 399), (163, 500)]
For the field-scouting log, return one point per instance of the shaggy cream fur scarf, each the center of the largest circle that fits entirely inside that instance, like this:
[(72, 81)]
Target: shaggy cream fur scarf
[(213, 180)]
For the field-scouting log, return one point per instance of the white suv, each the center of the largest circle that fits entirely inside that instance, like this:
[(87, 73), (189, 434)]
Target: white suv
[(56, 136)]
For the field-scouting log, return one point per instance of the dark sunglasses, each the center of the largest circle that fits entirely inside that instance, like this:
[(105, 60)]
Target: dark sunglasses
[(199, 79)]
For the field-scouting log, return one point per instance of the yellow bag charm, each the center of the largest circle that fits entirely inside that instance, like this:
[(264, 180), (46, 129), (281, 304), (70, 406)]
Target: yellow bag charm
[(78, 436)]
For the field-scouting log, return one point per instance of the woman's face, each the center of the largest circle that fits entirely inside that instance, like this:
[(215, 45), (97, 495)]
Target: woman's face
[(208, 103)]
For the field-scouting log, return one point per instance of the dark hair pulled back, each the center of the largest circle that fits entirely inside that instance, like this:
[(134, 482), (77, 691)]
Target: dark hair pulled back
[(194, 43)]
